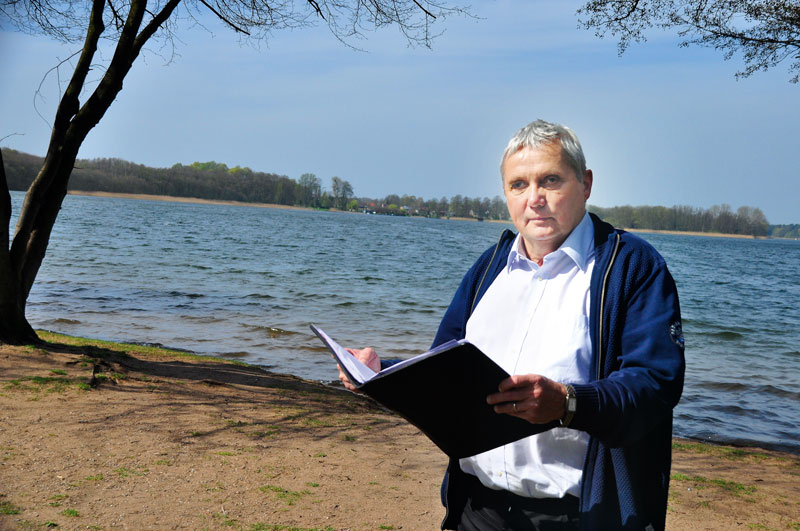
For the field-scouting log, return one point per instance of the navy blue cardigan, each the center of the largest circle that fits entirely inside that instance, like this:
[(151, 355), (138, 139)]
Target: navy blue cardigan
[(636, 380)]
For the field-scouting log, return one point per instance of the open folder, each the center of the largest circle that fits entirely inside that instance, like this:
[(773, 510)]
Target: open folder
[(443, 393)]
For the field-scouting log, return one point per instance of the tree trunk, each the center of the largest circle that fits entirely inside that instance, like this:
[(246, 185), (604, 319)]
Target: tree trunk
[(14, 328)]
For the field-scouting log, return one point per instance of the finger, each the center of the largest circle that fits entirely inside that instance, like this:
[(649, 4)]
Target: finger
[(518, 381), (508, 396)]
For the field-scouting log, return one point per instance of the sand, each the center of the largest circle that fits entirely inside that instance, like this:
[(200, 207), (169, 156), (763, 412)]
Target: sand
[(99, 435)]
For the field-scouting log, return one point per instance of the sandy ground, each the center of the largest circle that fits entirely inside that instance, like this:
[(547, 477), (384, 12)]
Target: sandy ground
[(98, 435)]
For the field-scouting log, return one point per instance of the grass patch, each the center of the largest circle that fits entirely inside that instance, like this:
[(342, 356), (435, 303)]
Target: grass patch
[(268, 432), (733, 487), (126, 349), (47, 384), (70, 512), (317, 423), (8, 508), (60, 372), (289, 496), (96, 477), (224, 519), (726, 452), (125, 472)]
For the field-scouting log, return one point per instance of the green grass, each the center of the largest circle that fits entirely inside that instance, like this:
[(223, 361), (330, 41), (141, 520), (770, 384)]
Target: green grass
[(726, 452), (125, 472), (96, 477), (70, 512), (47, 384), (8, 508), (731, 486), (126, 349), (289, 496), (60, 372)]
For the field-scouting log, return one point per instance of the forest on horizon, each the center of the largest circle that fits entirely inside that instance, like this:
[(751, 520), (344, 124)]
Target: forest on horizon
[(216, 181)]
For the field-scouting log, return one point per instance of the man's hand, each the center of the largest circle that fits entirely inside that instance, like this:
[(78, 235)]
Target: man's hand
[(530, 397), (368, 357)]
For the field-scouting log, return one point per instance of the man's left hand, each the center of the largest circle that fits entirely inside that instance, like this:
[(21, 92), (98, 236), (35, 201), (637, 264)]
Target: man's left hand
[(531, 397)]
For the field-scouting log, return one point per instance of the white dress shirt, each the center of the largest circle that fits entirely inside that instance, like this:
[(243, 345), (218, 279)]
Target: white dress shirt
[(535, 320)]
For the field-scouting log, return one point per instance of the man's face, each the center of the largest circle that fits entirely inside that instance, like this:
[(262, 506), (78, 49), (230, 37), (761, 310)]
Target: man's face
[(544, 196)]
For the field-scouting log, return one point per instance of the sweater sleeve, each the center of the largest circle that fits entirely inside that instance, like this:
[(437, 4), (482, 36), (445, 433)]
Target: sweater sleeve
[(643, 361)]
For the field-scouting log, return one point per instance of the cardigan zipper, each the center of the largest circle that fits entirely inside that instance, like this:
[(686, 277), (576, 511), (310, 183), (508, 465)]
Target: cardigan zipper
[(602, 304)]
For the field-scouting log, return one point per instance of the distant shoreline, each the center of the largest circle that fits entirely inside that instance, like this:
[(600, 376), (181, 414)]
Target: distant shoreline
[(196, 200)]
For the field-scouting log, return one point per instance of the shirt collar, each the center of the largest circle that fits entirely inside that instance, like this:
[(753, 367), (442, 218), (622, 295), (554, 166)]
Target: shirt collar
[(578, 246)]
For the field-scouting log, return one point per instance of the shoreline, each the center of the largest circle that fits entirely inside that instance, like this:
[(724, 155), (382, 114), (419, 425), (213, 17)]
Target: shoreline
[(195, 200), (100, 434)]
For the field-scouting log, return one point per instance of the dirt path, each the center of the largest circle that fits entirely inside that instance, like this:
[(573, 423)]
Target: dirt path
[(98, 435)]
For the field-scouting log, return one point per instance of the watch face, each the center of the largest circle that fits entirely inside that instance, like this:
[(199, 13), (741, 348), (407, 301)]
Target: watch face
[(572, 404)]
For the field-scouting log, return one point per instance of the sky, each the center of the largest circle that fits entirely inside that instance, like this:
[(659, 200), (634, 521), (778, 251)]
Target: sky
[(660, 125)]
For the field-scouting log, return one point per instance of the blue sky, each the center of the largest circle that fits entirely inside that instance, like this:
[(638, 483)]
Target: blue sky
[(660, 125)]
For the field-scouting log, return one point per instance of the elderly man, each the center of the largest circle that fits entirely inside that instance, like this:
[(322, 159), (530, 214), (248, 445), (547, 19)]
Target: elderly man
[(586, 319)]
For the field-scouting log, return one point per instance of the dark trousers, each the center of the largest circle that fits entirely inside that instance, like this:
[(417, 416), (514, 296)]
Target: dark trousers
[(491, 510)]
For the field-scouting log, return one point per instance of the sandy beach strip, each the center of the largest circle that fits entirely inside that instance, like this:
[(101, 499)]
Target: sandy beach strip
[(98, 435)]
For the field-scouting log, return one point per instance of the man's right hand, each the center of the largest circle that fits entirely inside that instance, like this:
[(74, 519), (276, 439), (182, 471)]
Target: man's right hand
[(368, 357)]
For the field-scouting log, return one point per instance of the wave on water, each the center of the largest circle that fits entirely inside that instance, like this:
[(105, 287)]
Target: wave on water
[(175, 293), (727, 335), (61, 321), (259, 296), (271, 331)]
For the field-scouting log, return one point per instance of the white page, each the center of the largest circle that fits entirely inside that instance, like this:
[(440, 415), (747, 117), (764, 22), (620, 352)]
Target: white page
[(420, 357), (359, 371)]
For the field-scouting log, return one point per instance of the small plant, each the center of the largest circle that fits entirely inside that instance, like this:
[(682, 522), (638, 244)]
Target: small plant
[(70, 512), (312, 484), (96, 477), (289, 496), (60, 372), (125, 472), (8, 508)]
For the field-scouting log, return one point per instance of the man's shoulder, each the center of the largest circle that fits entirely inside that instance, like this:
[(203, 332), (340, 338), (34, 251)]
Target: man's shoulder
[(499, 249), (630, 245)]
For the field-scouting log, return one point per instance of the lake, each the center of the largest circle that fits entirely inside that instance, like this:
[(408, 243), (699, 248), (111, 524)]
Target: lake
[(245, 282)]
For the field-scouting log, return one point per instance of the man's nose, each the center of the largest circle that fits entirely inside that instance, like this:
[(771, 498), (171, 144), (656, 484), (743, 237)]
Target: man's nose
[(536, 197)]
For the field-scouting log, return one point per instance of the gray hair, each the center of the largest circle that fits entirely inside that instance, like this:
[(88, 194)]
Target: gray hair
[(539, 133)]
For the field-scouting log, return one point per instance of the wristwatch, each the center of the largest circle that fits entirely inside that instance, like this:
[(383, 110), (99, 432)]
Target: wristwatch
[(570, 406)]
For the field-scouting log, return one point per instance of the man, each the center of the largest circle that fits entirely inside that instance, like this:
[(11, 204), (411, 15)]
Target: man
[(586, 319)]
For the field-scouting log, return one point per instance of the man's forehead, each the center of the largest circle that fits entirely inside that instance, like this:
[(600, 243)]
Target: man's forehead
[(551, 150)]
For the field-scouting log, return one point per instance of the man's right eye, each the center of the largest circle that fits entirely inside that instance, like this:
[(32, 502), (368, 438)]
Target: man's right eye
[(517, 186)]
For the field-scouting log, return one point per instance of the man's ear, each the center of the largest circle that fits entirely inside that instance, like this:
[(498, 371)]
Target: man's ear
[(587, 184)]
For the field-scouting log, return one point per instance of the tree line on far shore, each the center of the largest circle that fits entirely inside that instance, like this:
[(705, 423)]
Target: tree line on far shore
[(216, 181)]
